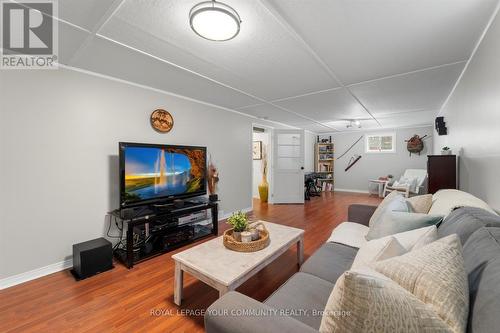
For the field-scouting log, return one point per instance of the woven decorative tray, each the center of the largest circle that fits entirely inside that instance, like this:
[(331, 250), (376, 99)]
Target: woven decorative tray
[(252, 246)]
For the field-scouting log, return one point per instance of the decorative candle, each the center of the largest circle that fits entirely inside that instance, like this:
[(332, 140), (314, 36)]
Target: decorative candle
[(255, 234), (246, 236)]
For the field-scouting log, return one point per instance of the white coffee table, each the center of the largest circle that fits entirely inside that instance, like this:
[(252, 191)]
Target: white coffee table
[(224, 269)]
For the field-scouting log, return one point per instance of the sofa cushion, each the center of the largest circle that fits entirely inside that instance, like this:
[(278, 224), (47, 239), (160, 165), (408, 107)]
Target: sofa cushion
[(445, 201), (482, 263), (350, 234), (304, 296), (363, 302), (465, 221), (330, 261), (436, 275)]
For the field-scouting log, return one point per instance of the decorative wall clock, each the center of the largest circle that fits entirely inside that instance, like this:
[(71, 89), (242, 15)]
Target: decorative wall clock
[(162, 121)]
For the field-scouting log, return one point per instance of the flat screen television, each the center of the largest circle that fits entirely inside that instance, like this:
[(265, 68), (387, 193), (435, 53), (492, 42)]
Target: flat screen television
[(153, 173)]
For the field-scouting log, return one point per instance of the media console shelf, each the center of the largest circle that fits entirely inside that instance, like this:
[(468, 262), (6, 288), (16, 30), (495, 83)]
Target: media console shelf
[(158, 230)]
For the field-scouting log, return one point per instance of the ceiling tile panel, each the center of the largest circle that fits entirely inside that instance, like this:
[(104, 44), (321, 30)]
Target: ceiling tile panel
[(106, 57), (325, 106), (137, 38), (363, 39), (70, 40), (425, 90), (408, 119), (264, 59), (84, 13), (270, 112), (317, 128)]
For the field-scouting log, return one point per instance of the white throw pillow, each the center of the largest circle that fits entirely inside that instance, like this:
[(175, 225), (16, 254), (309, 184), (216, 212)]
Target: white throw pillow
[(377, 249), (416, 238)]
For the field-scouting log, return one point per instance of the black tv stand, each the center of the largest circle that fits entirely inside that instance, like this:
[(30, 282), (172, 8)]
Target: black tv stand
[(157, 230)]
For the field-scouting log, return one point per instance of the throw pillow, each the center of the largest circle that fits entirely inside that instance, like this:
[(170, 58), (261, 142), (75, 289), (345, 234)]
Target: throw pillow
[(377, 249), (416, 238), (362, 302), (398, 204), (427, 236), (381, 207), (420, 203), (436, 275), (394, 201), (391, 223)]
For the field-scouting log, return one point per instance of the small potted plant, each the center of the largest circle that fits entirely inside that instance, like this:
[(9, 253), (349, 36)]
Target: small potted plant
[(445, 150), (239, 222)]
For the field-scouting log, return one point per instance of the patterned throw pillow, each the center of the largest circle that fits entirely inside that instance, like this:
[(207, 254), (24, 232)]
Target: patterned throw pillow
[(364, 302), (436, 275), (420, 203)]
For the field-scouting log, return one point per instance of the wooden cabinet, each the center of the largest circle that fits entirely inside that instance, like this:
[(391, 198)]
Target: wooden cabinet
[(442, 171)]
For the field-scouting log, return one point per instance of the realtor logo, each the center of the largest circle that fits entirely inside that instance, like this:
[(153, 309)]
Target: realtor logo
[(29, 35)]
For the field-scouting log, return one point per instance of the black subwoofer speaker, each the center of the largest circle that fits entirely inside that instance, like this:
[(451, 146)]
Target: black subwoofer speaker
[(92, 257)]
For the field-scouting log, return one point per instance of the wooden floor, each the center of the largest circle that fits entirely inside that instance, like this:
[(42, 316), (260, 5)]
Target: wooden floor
[(141, 299)]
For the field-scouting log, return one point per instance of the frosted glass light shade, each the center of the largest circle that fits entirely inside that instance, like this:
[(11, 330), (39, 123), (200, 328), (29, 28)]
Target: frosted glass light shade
[(214, 21)]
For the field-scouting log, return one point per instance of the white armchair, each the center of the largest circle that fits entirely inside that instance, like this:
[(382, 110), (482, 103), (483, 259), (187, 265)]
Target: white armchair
[(411, 182)]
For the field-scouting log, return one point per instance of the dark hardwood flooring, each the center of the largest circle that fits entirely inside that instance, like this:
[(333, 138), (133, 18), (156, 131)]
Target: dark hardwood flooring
[(141, 299)]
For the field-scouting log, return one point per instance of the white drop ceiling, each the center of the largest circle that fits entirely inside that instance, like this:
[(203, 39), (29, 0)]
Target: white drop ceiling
[(311, 64)]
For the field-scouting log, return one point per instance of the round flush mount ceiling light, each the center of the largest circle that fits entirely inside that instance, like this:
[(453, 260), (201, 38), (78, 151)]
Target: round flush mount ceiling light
[(214, 21), (354, 123)]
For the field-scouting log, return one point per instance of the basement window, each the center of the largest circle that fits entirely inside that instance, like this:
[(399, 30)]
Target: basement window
[(381, 143)]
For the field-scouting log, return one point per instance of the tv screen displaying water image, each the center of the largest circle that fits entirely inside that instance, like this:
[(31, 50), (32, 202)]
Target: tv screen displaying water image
[(158, 172)]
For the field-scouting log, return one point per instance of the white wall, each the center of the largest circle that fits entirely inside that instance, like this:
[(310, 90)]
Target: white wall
[(472, 116), (372, 166), (257, 164), (59, 165)]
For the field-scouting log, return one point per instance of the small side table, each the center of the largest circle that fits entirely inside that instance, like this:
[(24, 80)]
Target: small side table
[(376, 187)]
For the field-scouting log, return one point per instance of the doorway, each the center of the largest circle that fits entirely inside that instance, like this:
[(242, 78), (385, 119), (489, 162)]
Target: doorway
[(261, 164)]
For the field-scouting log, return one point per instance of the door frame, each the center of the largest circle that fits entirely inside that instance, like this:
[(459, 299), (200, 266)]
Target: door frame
[(270, 156)]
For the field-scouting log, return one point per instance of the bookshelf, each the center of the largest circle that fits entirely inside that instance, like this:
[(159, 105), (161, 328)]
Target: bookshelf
[(324, 163)]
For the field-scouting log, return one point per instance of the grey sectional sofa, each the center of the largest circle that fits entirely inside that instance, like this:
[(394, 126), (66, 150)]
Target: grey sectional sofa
[(296, 306)]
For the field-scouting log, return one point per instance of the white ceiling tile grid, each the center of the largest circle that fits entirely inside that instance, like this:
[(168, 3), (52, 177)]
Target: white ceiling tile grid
[(311, 64)]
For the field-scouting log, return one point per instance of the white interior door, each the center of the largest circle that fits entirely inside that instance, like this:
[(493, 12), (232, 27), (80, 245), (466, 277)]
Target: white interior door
[(288, 166)]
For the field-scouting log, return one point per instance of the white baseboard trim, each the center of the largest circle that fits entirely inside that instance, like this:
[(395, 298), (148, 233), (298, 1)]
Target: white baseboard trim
[(62, 265), (223, 216), (350, 190), (35, 274)]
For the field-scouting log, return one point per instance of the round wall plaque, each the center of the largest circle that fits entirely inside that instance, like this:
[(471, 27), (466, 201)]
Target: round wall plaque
[(162, 120)]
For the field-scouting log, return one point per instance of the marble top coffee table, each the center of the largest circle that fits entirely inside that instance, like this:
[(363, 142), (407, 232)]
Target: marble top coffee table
[(224, 269)]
